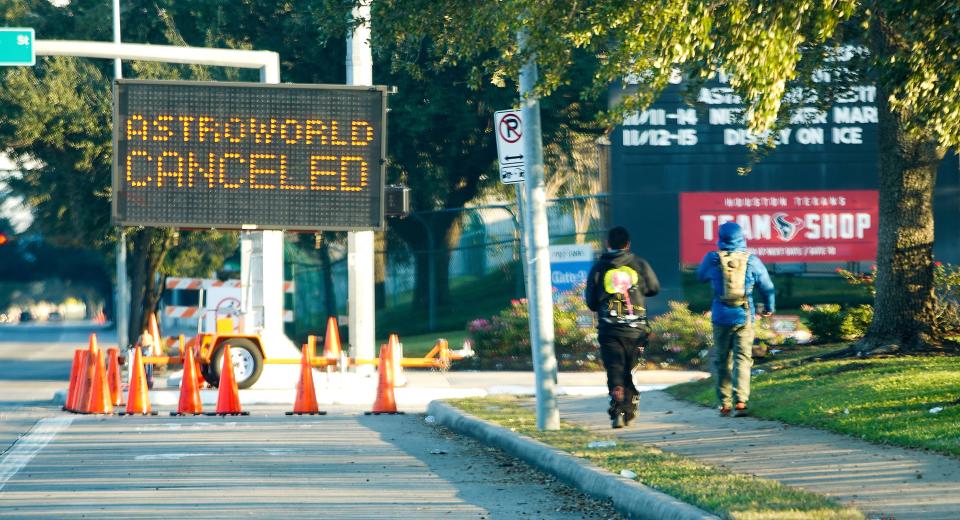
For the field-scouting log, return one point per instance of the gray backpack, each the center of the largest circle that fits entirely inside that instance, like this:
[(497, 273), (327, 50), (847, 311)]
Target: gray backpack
[(733, 266)]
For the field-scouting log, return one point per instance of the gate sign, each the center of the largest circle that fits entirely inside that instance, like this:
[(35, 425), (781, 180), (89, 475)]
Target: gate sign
[(248, 155), (569, 266), (784, 226), (509, 127)]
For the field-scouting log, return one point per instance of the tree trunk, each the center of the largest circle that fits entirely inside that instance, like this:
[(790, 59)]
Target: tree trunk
[(905, 302), (150, 246)]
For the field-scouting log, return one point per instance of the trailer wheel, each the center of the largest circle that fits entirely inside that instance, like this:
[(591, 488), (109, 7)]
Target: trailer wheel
[(247, 363)]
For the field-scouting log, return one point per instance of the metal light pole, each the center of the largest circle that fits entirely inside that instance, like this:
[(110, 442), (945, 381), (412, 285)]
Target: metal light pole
[(122, 312), (360, 250), (539, 293)]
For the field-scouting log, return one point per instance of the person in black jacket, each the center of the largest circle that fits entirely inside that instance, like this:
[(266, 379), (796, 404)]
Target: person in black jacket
[(616, 287)]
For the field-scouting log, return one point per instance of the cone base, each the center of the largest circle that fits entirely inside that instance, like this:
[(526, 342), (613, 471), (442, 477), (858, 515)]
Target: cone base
[(306, 413), (125, 414), (384, 413), (224, 414)]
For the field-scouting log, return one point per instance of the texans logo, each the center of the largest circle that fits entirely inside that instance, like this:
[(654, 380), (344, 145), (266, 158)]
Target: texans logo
[(787, 227)]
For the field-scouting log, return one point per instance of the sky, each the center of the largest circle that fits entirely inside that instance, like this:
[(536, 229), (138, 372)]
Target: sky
[(12, 207)]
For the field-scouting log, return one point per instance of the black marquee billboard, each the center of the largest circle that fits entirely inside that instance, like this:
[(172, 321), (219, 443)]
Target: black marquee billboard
[(248, 155), (675, 153)]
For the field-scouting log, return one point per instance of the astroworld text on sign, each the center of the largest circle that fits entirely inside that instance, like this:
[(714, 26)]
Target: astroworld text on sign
[(249, 155), (785, 226)]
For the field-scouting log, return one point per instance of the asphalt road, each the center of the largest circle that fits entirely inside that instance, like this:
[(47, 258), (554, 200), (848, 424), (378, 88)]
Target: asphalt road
[(268, 465)]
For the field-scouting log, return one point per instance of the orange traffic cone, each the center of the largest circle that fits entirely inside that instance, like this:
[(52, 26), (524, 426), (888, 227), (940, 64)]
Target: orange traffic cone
[(138, 397), (189, 389), (113, 375), (228, 399), (306, 401), (74, 387), (385, 403), (154, 329), (396, 358), (331, 340), (86, 376), (98, 401)]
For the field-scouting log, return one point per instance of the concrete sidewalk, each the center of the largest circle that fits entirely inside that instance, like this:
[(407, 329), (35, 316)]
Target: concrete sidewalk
[(884, 482)]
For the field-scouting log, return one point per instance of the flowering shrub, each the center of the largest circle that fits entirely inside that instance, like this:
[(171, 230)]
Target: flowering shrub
[(680, 337), (503, 341)]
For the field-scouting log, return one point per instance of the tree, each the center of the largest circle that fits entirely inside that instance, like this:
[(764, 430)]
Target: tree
[(769, 49)]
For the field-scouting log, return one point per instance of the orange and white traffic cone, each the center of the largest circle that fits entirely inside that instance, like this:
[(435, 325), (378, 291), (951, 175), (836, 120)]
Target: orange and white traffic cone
[(386, 402), (306, 400), (158, 343), (113, 375), (138, 396), (228, 399), (86, 376), (331, 339), (396, 351), (189, 388), (74, 387), (98, 402)]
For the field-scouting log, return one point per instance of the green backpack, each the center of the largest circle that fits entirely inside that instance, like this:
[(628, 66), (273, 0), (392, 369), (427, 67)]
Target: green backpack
[(733, 265)]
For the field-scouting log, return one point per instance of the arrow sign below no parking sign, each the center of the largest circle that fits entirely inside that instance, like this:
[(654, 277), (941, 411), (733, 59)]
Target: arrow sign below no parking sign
[(509, 127)]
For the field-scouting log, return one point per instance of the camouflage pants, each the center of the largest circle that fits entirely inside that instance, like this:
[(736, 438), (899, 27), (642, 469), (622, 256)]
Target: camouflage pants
[(732, 360)]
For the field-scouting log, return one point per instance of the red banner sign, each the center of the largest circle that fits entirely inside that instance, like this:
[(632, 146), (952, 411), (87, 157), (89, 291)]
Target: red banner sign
[(784, 226)]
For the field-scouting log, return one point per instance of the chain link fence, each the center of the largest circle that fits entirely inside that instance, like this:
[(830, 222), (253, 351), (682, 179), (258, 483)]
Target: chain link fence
[(445, 268)]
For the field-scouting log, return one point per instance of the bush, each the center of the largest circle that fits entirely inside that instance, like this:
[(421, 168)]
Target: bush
[(825, 321), (503, 341), (680, 337), (856, 320)]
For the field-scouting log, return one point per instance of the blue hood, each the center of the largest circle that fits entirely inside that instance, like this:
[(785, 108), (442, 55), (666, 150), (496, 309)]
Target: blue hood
[(731, 237)]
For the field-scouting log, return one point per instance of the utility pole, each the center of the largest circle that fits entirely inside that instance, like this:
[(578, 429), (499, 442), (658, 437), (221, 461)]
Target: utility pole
[(360, 250), (539, 293)]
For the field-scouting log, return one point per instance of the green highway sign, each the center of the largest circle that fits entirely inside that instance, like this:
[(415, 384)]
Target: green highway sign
[(16, 46)]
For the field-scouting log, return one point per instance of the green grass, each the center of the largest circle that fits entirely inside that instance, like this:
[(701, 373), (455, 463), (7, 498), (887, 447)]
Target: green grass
[(726, 494), (885, 401), (420, 345)]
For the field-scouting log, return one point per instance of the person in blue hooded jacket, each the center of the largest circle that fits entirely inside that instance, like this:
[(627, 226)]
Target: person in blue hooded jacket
[(733, 273)]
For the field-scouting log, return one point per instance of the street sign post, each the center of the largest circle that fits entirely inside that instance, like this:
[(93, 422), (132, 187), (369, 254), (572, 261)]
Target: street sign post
[(509, 125), (16, 46)]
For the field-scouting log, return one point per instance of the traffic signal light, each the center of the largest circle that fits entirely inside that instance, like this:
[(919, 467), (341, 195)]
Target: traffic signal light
[(3, 239)]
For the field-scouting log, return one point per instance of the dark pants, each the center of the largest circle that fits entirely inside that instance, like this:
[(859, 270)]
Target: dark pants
[(620, 355)]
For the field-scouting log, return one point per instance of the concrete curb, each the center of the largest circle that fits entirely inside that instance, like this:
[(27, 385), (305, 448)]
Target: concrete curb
[(630, 498)]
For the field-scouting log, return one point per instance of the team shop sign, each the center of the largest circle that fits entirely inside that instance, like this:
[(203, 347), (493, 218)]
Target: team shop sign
[(791, 226)]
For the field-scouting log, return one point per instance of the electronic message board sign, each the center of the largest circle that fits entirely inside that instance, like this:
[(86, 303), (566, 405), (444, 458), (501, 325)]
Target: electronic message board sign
[(248, 155)]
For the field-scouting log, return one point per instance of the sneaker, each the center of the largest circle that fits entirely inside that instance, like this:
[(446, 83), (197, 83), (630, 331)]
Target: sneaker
[(724, 411), (740, 410), (618, 421)]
